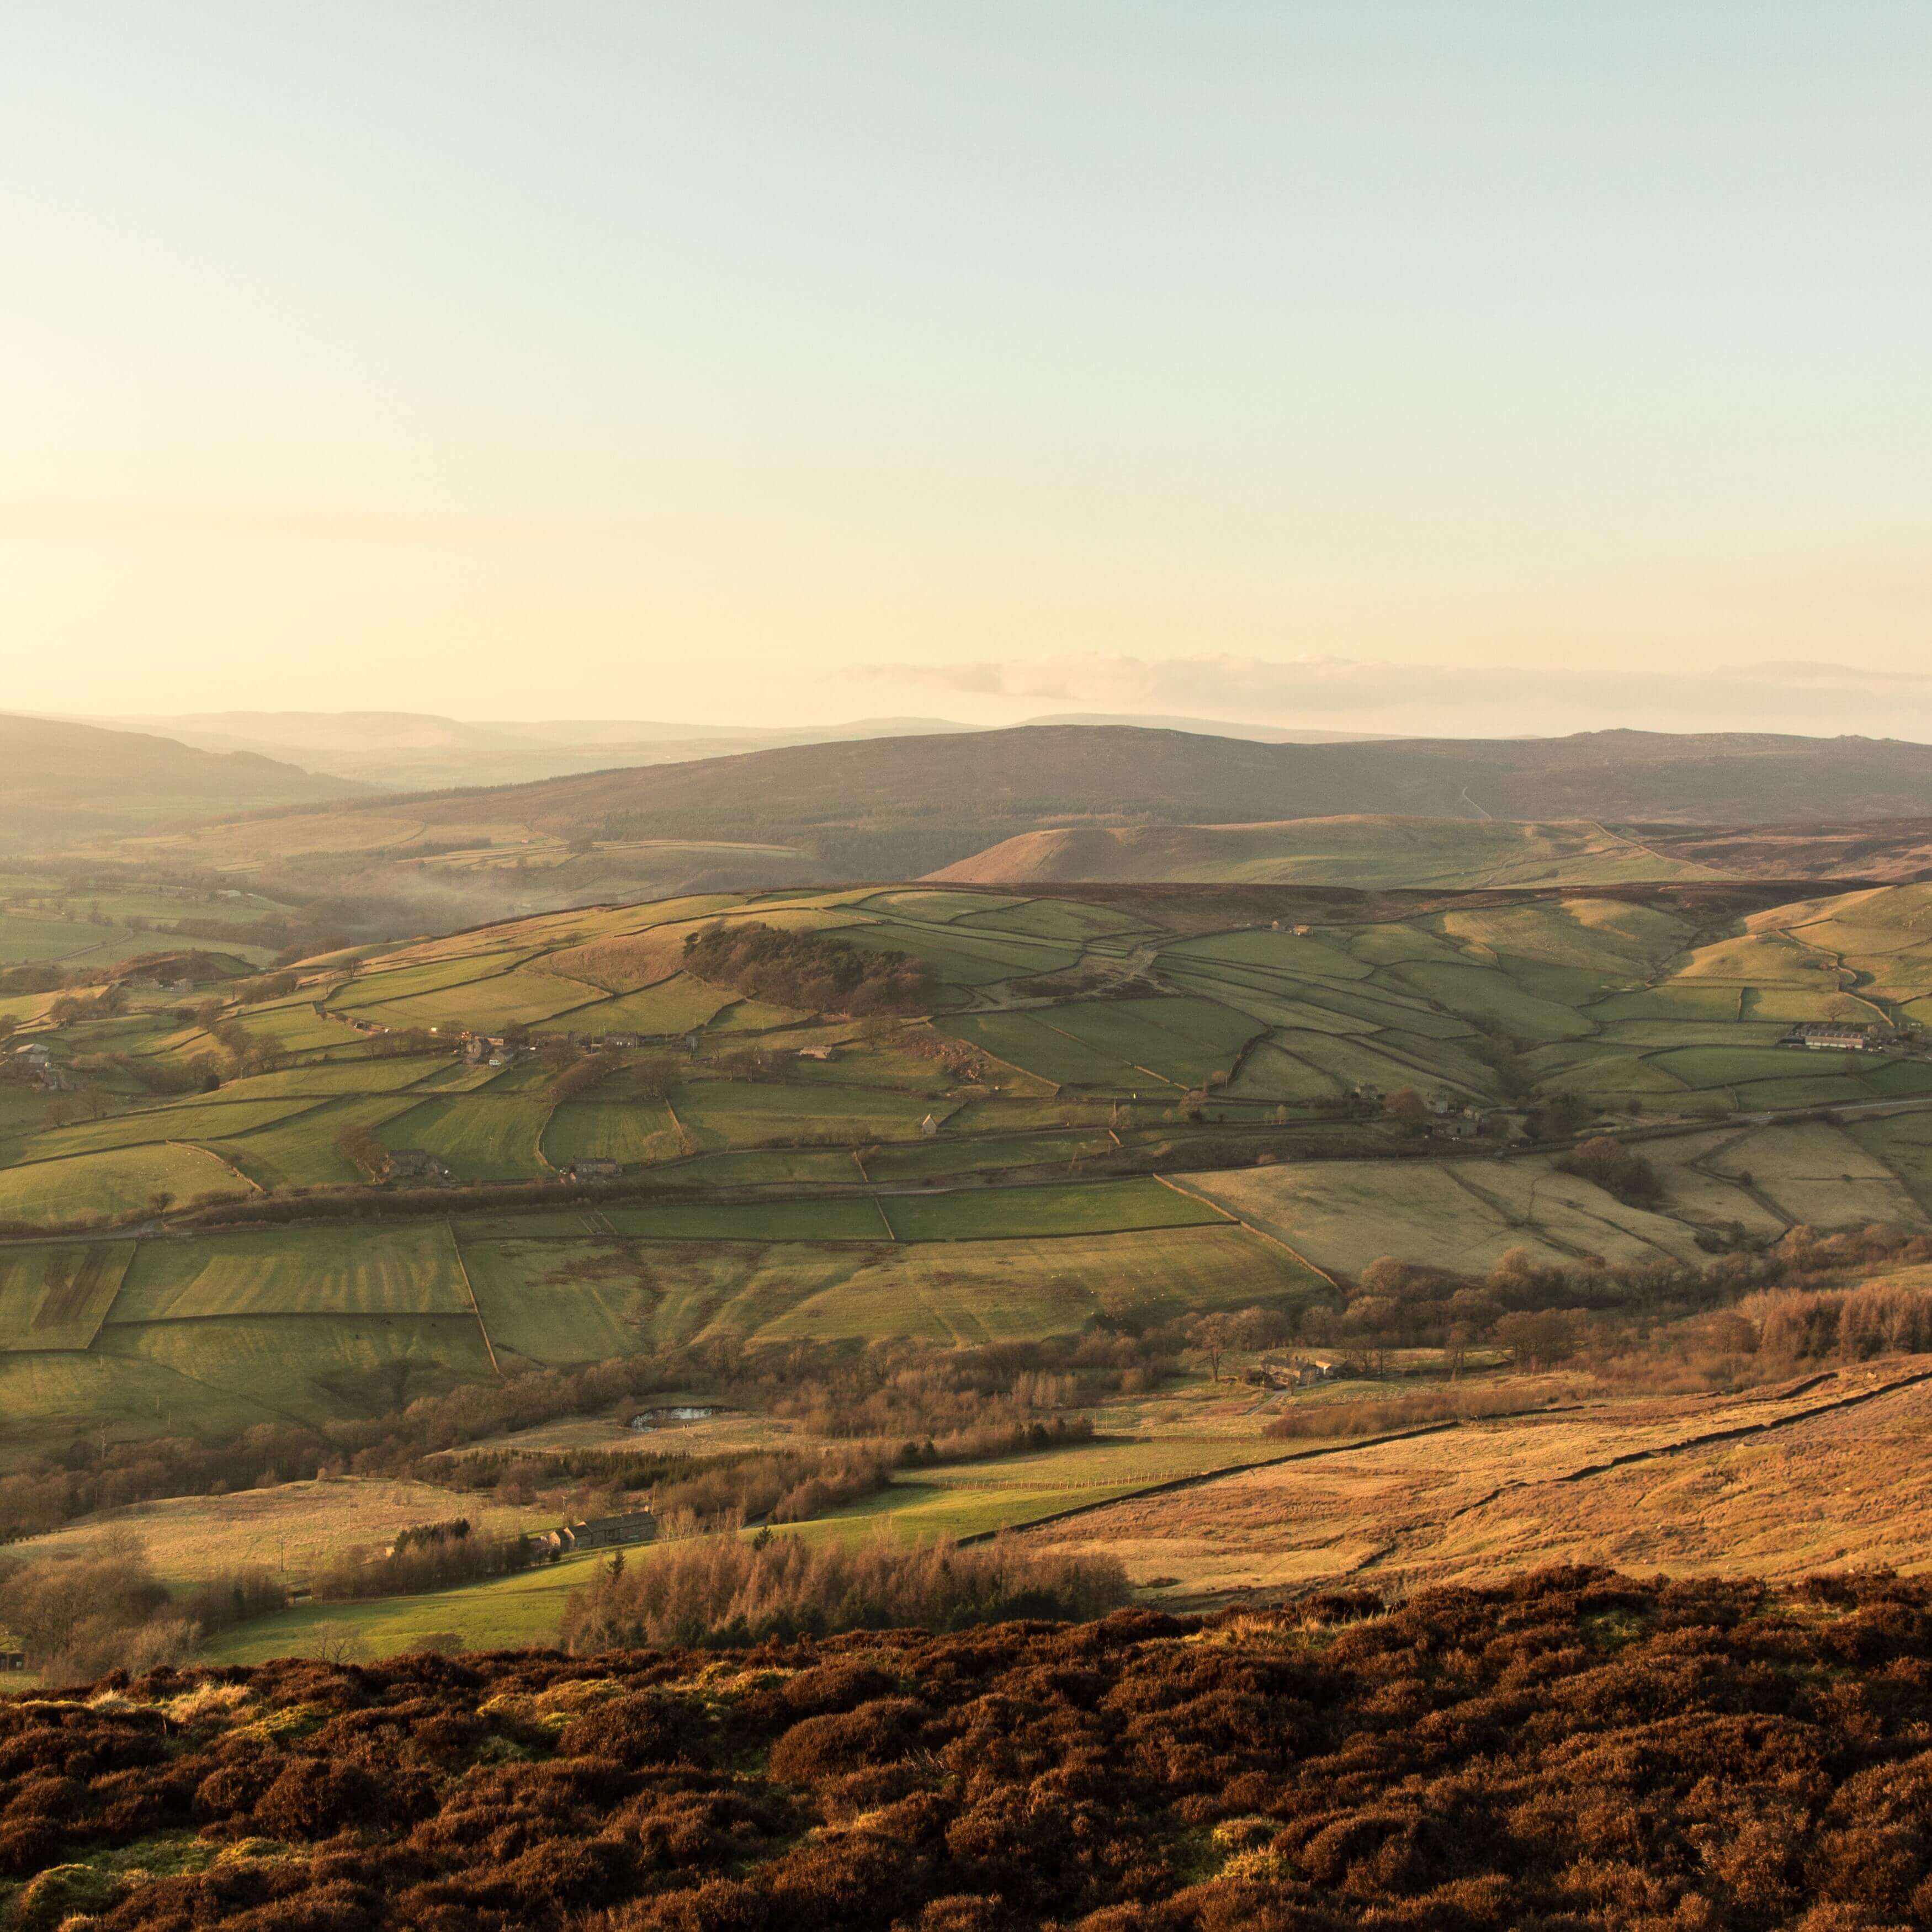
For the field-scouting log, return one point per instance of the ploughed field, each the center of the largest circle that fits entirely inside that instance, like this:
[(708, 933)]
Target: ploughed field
[(1573, 1748), (1073, 1105)]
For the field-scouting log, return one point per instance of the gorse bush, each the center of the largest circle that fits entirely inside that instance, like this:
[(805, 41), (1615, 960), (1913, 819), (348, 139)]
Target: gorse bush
[(730, 1590)]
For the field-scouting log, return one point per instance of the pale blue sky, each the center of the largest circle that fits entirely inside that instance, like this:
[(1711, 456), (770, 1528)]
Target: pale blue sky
[(567, 356)]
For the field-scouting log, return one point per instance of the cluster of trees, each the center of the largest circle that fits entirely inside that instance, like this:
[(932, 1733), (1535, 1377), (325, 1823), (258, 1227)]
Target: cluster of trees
[(900, 1402), (267, 986), (1567, 1749), (816, 972), (578, 1077), (1876, 1318), (720, 1490), (1608, 1164), (961, 1061), (923, 1393), (358, 1144), (426, 1556), (79, 1615), (1547, 1314), (734, 1593)]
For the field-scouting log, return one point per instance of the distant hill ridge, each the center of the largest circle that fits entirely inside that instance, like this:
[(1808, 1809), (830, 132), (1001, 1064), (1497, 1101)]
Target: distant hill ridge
[(1041, 772), (58, 778)]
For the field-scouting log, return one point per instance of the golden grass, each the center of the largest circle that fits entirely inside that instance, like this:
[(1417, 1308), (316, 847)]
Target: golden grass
[(291, 1529), (1847, 1488)]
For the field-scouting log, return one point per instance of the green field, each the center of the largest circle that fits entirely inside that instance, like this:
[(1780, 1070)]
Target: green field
[(673, 1006), (829, 1218), (489, 1135), (635, 1132), (56, 1297), (734, 1113), (29, 939), (964, 956), (980, 1152), (507, 1613), (1095, 1207), (516, 997), (105, 1186), (409, 1270), (774, 1197), (301, 1151)]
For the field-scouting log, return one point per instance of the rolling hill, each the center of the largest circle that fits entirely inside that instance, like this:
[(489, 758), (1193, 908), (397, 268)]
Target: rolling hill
[(896, 807), (1034, 773), (1361, 849), (1371, 850), (411, 751), (58, 779)]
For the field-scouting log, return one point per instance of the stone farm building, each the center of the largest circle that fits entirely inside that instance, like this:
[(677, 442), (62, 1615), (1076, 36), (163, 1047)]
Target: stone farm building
[(1836, 1036), (603, 1532)]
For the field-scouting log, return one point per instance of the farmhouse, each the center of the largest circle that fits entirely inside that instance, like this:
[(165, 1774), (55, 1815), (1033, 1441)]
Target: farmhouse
[(823, 1053), (596, 1169), (1834, 1036), (603, 1532), (616, 1040), (415, 1164)]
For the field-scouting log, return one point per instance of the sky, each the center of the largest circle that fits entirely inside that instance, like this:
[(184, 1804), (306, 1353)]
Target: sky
[(1493, 367)]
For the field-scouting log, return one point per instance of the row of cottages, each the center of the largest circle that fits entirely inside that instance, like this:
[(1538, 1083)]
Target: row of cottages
[(1840, 1036), (603, 1532)]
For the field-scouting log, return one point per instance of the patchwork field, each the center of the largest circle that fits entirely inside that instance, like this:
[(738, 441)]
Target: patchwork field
[(983, 1166), (211, 1332), (1464, 1214), (1256, 1007)]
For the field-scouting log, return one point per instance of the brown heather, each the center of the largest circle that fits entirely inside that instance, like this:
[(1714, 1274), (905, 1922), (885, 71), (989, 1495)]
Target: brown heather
[(1574, 1749)]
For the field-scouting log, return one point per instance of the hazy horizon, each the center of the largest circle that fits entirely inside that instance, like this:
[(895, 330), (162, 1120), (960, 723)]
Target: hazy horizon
[(1329, 695), (1496, 370)]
